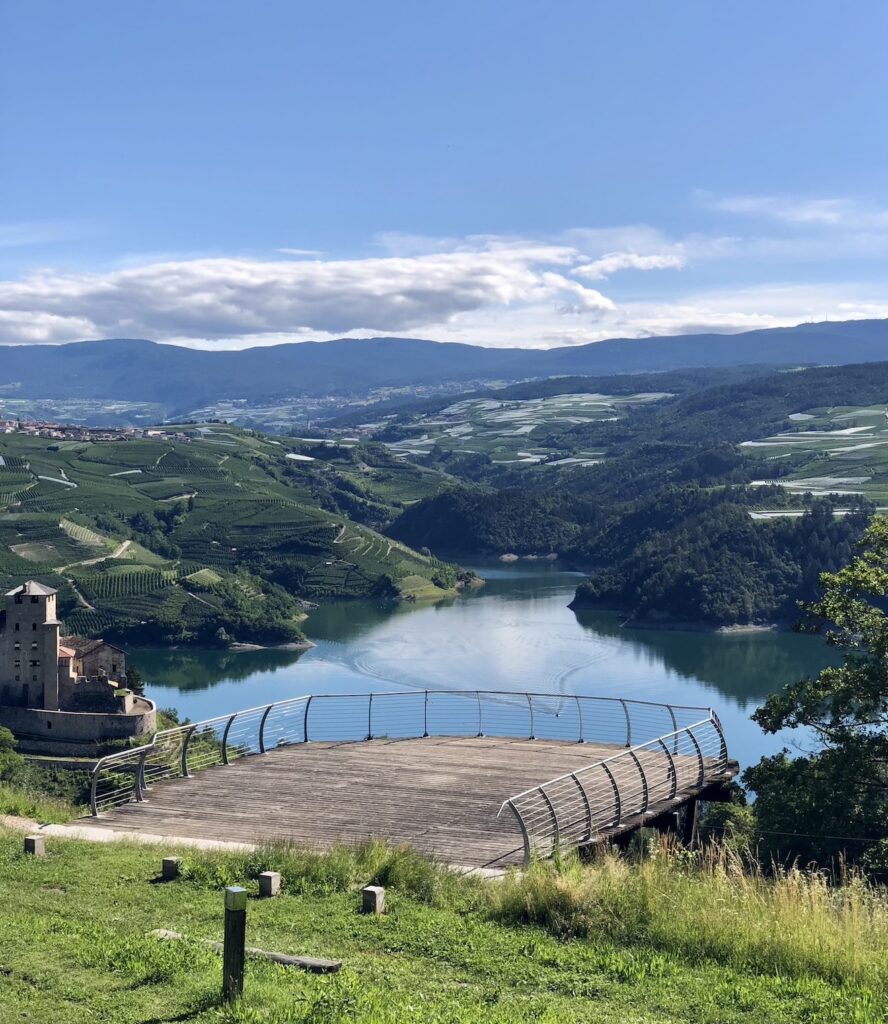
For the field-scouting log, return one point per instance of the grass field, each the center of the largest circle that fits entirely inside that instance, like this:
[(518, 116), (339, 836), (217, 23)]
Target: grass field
[(841, 450), (514, 432), (662, 941)]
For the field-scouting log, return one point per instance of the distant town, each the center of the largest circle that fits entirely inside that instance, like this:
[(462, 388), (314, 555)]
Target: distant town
[(74, 432)]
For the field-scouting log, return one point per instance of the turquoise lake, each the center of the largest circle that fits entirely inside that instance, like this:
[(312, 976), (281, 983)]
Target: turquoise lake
[(514, 633)]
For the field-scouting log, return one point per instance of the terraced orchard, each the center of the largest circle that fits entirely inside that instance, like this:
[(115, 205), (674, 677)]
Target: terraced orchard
[(207, 534), (841, 450), (519, 431)]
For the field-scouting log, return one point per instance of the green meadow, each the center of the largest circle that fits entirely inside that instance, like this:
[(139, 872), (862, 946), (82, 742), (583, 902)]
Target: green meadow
[(664, 938)]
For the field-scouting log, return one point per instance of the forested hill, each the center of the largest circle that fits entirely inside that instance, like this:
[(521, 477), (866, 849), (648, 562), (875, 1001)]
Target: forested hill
[(667, 523), (182, 379)]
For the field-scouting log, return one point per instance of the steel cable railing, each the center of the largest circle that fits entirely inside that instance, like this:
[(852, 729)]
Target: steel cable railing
[(187, 749), (617, 792)]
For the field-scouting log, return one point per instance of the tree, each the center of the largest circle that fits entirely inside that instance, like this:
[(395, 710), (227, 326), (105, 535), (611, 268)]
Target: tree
[(834, 799)]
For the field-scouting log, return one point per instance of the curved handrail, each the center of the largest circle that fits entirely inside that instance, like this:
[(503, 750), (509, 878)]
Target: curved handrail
[(617, 792), (185, 749)]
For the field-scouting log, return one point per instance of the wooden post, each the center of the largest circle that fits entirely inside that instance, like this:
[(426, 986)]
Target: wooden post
[(234, 942), (35, 846), (690, 823)]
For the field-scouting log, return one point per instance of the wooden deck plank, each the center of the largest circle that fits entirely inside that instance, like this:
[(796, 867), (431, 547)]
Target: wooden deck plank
[(438, 794)]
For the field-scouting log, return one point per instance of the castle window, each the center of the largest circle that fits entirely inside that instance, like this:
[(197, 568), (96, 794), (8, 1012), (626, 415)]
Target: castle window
[(17, 646), (16, 627), (18, 664), (34, 678), (34, 663), (18, 598), (34, 646), (34, 626), (18, 679), (34, 600)]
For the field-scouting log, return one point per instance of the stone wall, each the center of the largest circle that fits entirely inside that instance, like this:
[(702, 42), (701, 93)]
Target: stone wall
[(77, 732)]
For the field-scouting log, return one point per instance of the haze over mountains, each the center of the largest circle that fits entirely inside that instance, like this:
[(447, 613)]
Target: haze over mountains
[(182, 379)]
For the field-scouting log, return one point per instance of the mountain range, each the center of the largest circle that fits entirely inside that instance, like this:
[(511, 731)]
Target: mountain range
[(182, 379)]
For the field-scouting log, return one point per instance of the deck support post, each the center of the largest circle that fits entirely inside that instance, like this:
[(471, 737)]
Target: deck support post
[(689, 829)]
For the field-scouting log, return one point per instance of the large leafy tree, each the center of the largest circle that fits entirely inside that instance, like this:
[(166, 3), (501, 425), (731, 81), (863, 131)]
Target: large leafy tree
[(833, 799)]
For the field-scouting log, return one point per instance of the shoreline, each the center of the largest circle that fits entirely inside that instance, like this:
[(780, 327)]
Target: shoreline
[(296, 645), (666, 626)]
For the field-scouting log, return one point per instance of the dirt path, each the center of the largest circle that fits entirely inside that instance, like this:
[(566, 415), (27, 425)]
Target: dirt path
[(81, 600), (116, 553)]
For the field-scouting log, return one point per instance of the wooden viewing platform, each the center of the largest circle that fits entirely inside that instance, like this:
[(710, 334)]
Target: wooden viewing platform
[(473, 800)]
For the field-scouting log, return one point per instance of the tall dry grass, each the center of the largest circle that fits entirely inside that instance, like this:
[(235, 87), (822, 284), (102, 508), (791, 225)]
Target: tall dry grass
[(712, 905)]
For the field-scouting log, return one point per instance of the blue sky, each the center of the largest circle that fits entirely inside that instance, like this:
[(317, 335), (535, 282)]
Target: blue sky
[(229, 173)]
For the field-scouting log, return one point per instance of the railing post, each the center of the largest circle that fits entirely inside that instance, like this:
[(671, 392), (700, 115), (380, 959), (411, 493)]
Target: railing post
[(672, 768), (580, 713), (370, 718), (228, 726), (674, 728), (524, 833), (265, 715), (305, 721), (723, 751), (425, 715), (701, 773), (588, 806), (140, 776), (480, 723), (556, 832), (183, 757), (618, 801), (628, 723), (644, 781), (532, 725), (93, 784)]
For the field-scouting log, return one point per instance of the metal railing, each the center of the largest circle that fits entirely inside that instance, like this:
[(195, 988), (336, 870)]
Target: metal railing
[(187, 749), (621, 791)]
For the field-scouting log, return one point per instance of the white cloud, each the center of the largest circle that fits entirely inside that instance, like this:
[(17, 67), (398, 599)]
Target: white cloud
[(15, 235), (483, 289), (803, 212), (610, 263), (228, 299)]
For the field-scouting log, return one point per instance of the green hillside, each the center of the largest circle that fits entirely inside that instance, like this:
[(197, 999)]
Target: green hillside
[(206, 533), (675, 939)]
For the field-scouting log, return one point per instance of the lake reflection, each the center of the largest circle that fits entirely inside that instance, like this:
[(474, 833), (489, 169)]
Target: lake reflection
[(516, 632)]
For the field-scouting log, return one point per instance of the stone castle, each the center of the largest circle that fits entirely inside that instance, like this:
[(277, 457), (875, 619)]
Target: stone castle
[(62, 695)]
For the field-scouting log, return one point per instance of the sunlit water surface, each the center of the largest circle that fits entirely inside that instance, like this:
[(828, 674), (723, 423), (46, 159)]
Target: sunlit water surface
[(515, 633)]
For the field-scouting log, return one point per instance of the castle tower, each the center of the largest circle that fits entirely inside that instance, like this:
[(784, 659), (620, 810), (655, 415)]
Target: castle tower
[(29, 648)]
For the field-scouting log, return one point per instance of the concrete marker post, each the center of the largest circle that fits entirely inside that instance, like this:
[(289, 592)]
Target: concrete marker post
[(35, 846), (373, 899), (234, 943), (269, 883), (169, 868)]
